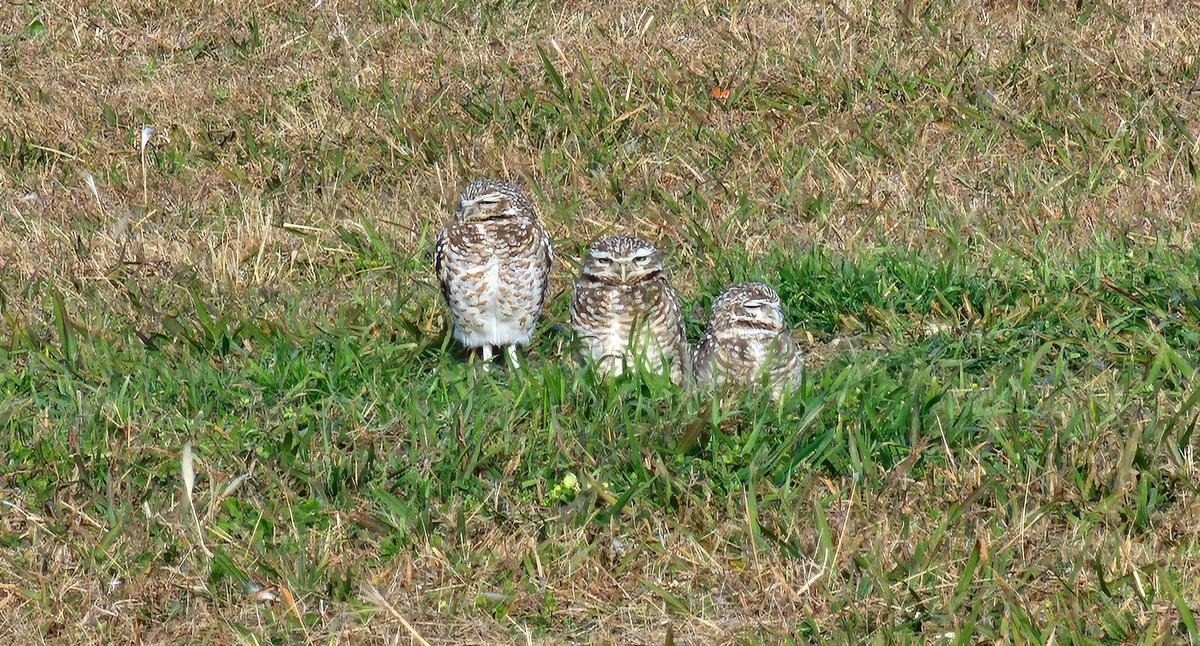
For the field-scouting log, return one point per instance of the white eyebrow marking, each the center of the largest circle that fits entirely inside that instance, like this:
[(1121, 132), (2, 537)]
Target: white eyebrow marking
[(487, 198)]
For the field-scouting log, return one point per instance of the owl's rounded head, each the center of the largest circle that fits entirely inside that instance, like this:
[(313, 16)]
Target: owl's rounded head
[(749, 305), (622, 260), (491, 199)]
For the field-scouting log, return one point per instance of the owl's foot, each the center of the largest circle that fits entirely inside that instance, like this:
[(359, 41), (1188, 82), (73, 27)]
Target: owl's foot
[(485, 355), (512, 357)]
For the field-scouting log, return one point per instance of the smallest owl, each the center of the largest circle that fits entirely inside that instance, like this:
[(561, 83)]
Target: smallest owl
[(747, 342), (624, 311), (493, 263)]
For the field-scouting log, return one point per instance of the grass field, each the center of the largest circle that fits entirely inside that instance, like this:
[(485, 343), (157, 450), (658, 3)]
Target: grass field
[(981, 218)]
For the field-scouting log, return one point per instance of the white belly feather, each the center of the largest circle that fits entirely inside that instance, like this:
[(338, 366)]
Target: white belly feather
[(493, 309)]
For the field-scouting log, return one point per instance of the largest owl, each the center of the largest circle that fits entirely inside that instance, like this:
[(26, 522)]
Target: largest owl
[(493, 262), (747, 342), (624, 311)]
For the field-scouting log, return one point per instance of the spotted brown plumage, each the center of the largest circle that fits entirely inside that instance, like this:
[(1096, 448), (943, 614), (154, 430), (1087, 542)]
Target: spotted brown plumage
[(747, 342), (493, 263), (624, 311)]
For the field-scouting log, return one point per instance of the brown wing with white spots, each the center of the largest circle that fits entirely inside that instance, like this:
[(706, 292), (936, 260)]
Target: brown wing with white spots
[(786, 364), (439, 264), (666, 319)]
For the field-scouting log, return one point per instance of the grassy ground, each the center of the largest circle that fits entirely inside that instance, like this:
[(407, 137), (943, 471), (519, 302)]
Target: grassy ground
[(980, 216)]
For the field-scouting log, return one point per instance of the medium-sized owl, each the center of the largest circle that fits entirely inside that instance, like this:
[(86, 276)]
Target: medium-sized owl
[(493, 263), (624, 311), (747, 342)]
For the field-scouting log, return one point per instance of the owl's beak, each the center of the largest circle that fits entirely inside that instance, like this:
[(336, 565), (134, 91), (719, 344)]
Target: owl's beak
[(624, 271)]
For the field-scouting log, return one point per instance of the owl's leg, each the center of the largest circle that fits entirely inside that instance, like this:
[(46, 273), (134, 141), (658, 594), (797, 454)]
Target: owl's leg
[(512, 356), (486, 351)]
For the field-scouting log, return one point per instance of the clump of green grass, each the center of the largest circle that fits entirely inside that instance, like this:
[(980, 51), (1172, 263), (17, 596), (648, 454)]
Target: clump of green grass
[(1051, 397)]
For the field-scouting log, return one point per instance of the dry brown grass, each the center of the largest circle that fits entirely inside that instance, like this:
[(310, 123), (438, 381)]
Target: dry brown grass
[(634, 581), (934, 171), (263, 156)]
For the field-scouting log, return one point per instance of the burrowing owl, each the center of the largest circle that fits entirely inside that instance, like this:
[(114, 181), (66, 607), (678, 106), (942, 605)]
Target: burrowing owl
[(748, 341), (624, 311), (493, 262)]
